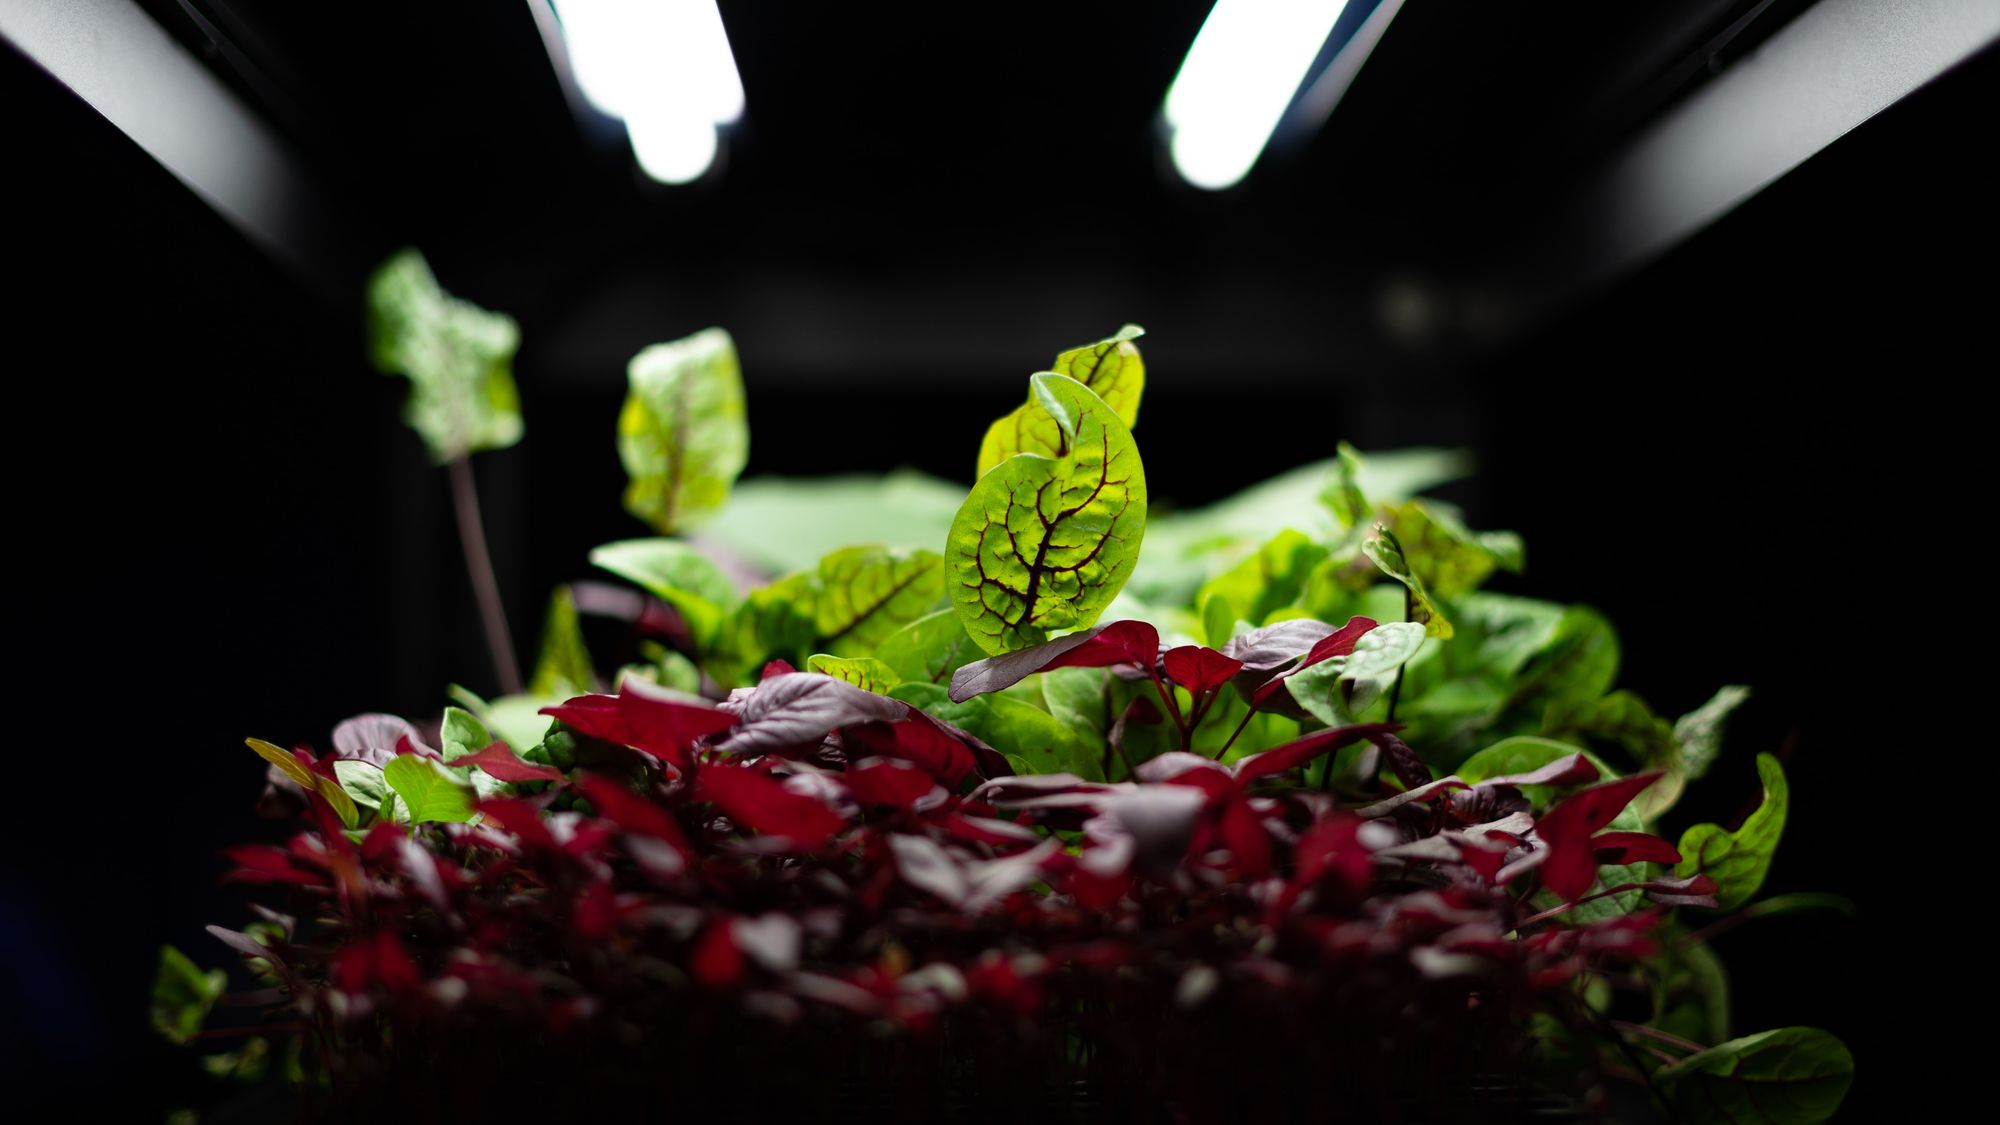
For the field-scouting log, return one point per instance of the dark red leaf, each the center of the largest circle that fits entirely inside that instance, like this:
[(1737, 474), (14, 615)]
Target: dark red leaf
[(717, 962), (1621, 848), (764, 806), (381, 842), (883, 782), (261, 863), (521, 818), (1338, 643), (1297, 753), (664, 725), (1239, 829), (595, 915), (913, 740), (1332, 849), (1566, 831), (1199, 669), (776, 668), (629, 810), (594, 716), (1120, 642), (1409, 769), (499, 761)]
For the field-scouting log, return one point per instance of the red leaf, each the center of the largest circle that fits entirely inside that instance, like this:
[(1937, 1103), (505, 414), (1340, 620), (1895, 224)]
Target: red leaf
[(381, 841), (499, 761), (1299, 752), (1332, 848), (1199, 668), (261, 863), (1120, 642), (1620, 848), (766, 807), (1338, 643), (1567, 830), (883, 782), (717, 962), (594, 716), (922, 743), (630, 811), (1239, 829), (664, 726), (521, 818), (595, 915), (776, 668)]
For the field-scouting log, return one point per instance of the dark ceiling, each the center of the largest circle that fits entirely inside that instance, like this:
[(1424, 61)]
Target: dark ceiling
[(924, 197)]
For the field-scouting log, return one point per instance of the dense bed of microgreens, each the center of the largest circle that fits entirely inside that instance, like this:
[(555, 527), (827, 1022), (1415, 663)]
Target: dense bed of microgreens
[(1288, 814)]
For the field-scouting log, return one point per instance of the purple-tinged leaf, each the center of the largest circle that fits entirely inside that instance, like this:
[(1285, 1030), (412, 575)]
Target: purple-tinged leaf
[(1696, 890), (1199, 669), (1388, 805), (1409, 769), (915, 740), (1340, 642), (1120, 642), (1575, 769), (800, 709), (898, 785), (1297, 753), (371, 738), (1275, 646), (499, 761)]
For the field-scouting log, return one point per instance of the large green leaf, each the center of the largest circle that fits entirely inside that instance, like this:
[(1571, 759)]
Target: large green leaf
[(775, 622), (458, 357), (1791, 1076), (677, 574), (930, 648), (563, 668), (1017, 729), (1739, 860), (363, 782), (429, 791), (682, 434), (1044, 543), (1111, 368), (1265, 582), (783, 524), (183, 995), (1579, 663), (868, 593)]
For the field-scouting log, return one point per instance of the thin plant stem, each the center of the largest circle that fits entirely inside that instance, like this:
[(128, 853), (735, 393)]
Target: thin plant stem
[(479, 564), (1655, 1033)]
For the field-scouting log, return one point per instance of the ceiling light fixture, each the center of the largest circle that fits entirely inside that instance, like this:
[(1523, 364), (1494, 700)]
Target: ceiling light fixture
[(665, 67)]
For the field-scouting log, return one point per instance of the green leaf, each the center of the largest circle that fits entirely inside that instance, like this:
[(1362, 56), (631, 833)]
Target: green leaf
[(677, 574), (1525, 754), (564, 668), (1386, 553), (462, 733), (1343, 494), (1453, 559), (183, 995), (1791, 1076), (1262, 584), (864, 672), (682, 433), (429, 791), (1113, 371), (517, 720), (774, 622), (458, 357), (868, 593), (1739, 860), (1040, 741), (1691, 993), (1623, 718), (1076, 696), (930, 648), (1579, 663), (1044, 543), (1700, 731), (282, 758), (1367, 672), (246, 1064), (783, 524), (363, 782)]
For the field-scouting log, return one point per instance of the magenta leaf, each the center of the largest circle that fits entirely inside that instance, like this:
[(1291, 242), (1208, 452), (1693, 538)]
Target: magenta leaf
[(1297, 753), (1338, 643), (1618, 849), (664, 724), (1199, 669), (1571, 866), (499, 761), (630, 811), (1120, 642), (882, 782), (761, 805)]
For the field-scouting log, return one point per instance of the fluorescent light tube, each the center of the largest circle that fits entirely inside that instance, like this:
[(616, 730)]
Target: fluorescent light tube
[(1245, 67), (665, 67)]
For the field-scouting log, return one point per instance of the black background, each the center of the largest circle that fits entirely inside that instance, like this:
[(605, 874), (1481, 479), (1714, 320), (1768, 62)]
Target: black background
[(219, 527)]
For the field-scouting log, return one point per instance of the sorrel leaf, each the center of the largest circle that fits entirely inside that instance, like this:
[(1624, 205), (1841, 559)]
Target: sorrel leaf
[(183, 995), (429, 791), (783, 524), (864, 672), (930, 648), (866, 594), (677, 574), (1739, 860), (1700, 731), (1791, 1076), (1111, 368), (1044, 543), (1382, 547), (458, 357), (563, 668), (682, 433)]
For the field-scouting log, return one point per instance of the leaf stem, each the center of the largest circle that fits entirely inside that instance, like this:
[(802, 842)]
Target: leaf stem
[(1396, 689), (1248, 714), (1655, 1033), (479, 564)]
